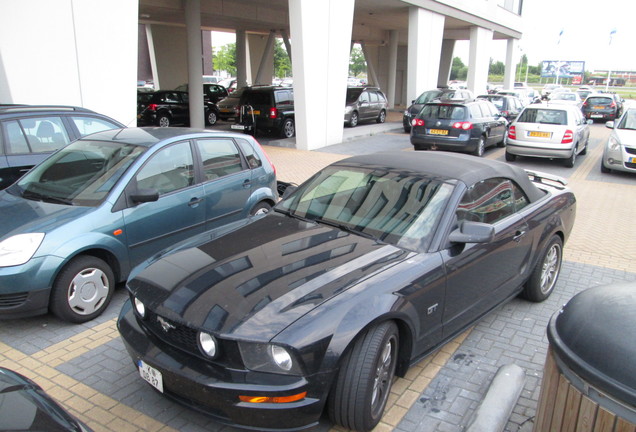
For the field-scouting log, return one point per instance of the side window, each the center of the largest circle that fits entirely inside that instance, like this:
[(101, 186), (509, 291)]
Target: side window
[(253, 160), (42, 134), (16, 138), (373, 97), (475, 112), (488, 201), (89, 125), (364, 97), (381, 97), (283, 97), (220, 157), (168, 170)]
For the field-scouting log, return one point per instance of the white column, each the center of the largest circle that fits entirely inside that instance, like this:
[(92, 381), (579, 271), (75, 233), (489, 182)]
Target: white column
[(370, 65), (509, 73), (446, 62), (426, 31), (195, 67), (261, 56), (285, 36), (479, 59), (321, 33), (241, 59), (392, 67)]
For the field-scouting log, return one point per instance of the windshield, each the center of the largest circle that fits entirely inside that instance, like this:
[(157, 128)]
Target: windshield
[(628, 121), (82, 173), (399, 208), (353, 94)]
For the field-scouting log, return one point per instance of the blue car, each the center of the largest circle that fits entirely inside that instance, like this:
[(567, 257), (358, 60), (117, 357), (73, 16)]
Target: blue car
[(76, 224)]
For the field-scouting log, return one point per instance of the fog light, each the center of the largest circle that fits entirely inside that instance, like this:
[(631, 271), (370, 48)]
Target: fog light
[(208, 344), (140, 308)]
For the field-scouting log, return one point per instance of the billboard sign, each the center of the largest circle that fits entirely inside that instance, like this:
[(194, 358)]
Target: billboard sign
[(562, 69)]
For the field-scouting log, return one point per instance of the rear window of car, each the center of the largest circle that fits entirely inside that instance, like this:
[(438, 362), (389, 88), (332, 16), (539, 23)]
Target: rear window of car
[(497, 101), (544, 115), (256, 98), (443, 111), (599, 100)]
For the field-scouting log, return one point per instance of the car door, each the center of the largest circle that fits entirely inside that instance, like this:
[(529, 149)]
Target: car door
[(582, 129), (496, 123), (481, 275), (179, 212), (364, 105), (227, 181)]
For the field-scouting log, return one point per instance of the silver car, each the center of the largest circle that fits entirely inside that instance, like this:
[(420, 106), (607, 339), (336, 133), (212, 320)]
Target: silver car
[(548, 131), (619, 153)]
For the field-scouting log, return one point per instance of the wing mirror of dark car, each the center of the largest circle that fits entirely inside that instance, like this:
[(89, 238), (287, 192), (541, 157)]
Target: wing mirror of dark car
[(145, 195), (473, 232), (288, 191), (609, 124)]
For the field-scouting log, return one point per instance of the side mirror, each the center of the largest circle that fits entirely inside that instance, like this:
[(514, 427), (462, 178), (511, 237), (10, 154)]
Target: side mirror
[(144, 195), (289, 190), (609, 124), (473, 232)]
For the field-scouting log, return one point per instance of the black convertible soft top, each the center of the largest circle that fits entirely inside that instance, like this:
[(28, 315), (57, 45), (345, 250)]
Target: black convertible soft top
[(446, 166)]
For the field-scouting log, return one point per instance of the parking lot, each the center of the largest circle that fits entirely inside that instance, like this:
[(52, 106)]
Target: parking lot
[(86, 368)]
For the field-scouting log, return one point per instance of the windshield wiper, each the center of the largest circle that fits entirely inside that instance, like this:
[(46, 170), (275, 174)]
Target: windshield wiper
[(29, 194), (292, 215), (347, 228)]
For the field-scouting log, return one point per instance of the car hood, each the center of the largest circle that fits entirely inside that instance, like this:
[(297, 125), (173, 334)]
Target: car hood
[(626, 137), (254, 282), (19, 215)]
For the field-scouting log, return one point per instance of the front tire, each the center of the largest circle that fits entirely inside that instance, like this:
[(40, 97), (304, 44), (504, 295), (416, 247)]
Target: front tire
[(82, 290), (353, 121), (363, 384), (261, 208), (545, 273), (604, 169)]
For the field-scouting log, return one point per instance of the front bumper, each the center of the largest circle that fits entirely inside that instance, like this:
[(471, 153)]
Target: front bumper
[(214, 390), (621, 159)]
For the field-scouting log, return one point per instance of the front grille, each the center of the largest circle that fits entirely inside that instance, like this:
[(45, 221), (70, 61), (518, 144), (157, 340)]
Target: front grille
[(630, 150), (12, 300), (180, 336), (630, 165)]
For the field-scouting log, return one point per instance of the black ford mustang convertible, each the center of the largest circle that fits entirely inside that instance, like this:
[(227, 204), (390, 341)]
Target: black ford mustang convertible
[(370, 265)]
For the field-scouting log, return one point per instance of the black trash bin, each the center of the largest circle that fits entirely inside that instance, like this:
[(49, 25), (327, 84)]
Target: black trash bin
[(589, 381)]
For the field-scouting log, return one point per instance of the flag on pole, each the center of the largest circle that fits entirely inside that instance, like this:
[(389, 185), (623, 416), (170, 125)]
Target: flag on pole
[(612, 33), (560, 34)]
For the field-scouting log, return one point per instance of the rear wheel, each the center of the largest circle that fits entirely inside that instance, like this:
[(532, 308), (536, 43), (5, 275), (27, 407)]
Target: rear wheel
[(211, 118), (163, 120), (82, 290), (364, 381), (510, 157), (481, 146), (381, 117), (569, 162), (546, 272), (288, 130)]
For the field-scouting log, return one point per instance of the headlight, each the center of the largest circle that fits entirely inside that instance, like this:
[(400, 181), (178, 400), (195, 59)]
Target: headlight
[(208, 344), (19, 249), (348, 109), (613, 144), (406, 113), (140, 307), (268, 358)]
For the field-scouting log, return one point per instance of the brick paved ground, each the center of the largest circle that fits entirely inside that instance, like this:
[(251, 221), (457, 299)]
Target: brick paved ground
[(86, 368)]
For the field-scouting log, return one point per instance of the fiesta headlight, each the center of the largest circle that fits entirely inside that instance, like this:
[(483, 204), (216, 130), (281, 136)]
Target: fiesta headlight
[(208, 344), (140, 307), (19, 249)]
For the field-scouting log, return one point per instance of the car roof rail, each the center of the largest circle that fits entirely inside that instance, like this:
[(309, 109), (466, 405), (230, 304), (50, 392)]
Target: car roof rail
[(6, 108)]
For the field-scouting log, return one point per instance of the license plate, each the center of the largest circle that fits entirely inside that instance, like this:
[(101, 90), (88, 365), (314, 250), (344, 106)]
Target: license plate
[(225, 110), (238, 127), (438, 132), (540, 134), (257, 112), (151, 375), (596, 116), (598, 107), (631, 160)]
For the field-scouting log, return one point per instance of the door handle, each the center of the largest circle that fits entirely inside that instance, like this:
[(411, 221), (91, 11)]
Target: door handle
[(195, 201), (247, 183), (518, 235)]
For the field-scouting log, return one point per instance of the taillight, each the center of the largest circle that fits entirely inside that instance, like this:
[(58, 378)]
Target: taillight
[(568, 137), (266, 155), (505, 113), (613, 105), (417, 122), (463, 125), (273, 112), (152, 107), (512, 132)]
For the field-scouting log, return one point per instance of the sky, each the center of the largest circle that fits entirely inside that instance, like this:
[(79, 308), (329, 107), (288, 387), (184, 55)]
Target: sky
[(585, 27)]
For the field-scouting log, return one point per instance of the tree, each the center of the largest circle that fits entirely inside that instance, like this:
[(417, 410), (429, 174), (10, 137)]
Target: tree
[(459, 71), (225, 59), (496, 68), (282, 65), (357, 64)]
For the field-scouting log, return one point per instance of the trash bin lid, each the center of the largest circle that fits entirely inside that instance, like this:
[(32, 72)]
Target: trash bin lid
[(595, 336)]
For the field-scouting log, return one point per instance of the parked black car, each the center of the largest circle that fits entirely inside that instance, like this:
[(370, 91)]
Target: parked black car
[(364, 103), (24, 406), (211, 92), (171, 107), (454, 95), (267, 109), (602, 106), (369, 266), (508, 106), (30, 133), (465, 127)]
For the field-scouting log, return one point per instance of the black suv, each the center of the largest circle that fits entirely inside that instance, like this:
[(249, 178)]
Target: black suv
[(30, 133), (446, 94), (169, 107), (466, 127), (268, 109), (211, 92)]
